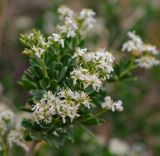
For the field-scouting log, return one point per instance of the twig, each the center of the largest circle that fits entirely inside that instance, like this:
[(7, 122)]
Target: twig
[(32, 149)]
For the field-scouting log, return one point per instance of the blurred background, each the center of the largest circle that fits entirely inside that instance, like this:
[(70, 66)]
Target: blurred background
[(133, 132)]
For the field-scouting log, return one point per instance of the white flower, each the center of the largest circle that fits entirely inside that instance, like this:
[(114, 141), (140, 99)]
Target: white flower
[(45, 108), (134, 44), (83, 98), (6, 119), (146, 53), (42, 41), (118, 147), (69, 27), (7, 115), (147, 62), (118, 105), (36, 42), (150, 48), (80, 52), (87, 16), (86, 78), (16, 136), (111, 105), (65, 103), (101, 61), (64, 11), (73, 24), (57, 38), (38, 51), (135, 37), (86, 13)]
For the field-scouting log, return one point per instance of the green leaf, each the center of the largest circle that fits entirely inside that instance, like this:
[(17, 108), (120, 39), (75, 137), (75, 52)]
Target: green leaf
[(54, 84), (37, 71), (54, 141), (36, 95), (87, 130), (26, 83), (36, 92), (59, 66), (25, 109), (45, 83), (92, 120), (66, 59), (34, 135), (53, 73), (27, 123), (62, 74), (51, 60)]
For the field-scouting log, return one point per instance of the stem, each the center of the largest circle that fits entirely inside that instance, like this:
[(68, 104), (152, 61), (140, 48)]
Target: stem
[(32, 149), (44, 68), (97, 115), (129, 69), (101, 112)]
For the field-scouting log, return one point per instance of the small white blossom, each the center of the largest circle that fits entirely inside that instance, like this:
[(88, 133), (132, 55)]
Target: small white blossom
[(69, 28), (84, 99), (57, 38), (101, 60), (71, 103), (80, 52), (42, 41), (6, 119), (64, 11), (73, 24), (134, 44), (111, 105), (134, 37), (150, 48), (65, 103), (146, 53), (86, 15), (38, 51), (45, 108), (118, 147), (16, 136), (147, 62), (86, 78), (37, 44)]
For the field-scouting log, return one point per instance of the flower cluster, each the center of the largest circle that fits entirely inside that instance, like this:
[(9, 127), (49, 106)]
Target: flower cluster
[(11, 128), (36, 42), (65, 103), (147, 62), (111, 105), (6, 120), (86, 78), (86, 20), (73, 23), (57, 38), (119, 147), (145, 53), (94, 67), (64, 11), (63, 79), (16, 136)]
